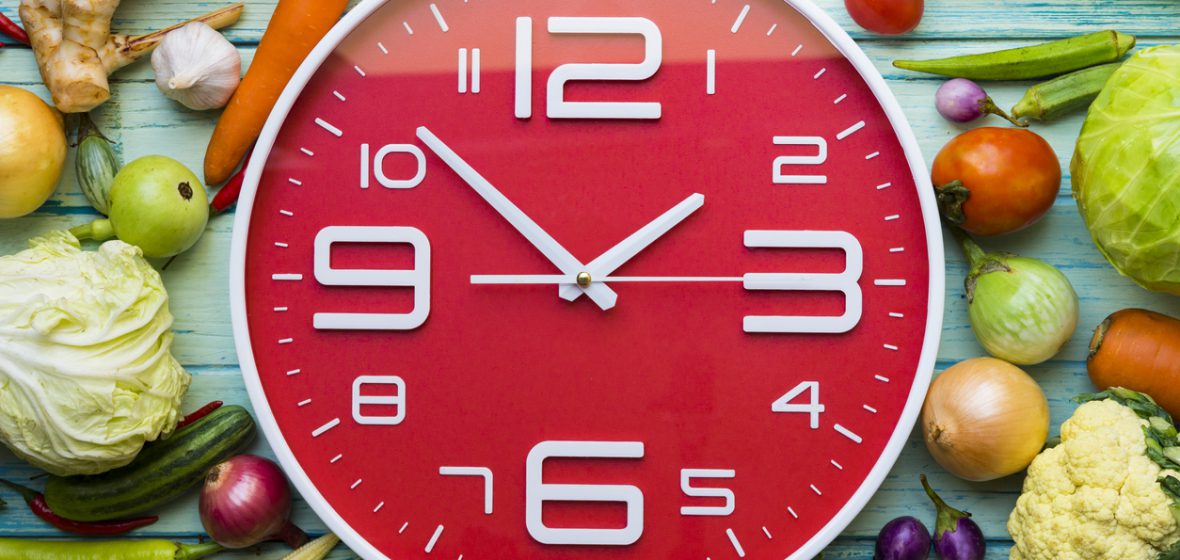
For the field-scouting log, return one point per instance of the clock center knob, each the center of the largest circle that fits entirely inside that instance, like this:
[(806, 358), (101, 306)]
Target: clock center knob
[(584, 279)]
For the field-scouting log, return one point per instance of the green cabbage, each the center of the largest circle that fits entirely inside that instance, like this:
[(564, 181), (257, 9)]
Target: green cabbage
[(1126, 170), (86, 373)]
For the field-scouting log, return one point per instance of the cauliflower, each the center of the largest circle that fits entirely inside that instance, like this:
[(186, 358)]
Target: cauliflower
[(1102, 492)]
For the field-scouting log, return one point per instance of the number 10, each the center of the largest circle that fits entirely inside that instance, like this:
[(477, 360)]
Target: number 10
[(557, 107)]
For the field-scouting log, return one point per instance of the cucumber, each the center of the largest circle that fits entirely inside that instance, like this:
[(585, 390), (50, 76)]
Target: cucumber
[(162, 472)]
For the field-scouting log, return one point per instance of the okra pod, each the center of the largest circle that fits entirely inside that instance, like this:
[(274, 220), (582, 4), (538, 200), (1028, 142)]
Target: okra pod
[(1054, 98), (1035, 61)]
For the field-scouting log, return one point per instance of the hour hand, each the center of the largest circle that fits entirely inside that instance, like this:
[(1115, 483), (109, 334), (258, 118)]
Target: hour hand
[(618, 255), (558, 255)]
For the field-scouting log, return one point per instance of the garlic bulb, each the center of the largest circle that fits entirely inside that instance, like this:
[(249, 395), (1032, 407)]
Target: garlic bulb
[(197, 66)]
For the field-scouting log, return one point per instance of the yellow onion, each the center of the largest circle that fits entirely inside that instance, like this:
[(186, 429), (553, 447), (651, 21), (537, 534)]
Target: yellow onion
[(984, 419), (32, 151)]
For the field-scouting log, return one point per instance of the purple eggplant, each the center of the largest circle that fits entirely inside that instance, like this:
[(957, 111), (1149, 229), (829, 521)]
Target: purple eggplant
[(962, 101), (956, 536), (904, 538)]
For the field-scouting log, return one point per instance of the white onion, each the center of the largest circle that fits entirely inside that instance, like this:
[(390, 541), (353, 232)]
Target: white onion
[(984, 419)]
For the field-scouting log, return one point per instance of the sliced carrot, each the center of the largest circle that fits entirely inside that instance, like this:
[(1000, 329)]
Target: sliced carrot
[(294, 30), (1139, 350)]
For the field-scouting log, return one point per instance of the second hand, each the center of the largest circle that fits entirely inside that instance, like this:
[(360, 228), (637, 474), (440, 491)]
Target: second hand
[(560, 279)]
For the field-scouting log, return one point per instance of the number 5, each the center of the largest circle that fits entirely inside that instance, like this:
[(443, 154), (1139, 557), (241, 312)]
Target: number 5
[(537, 493)]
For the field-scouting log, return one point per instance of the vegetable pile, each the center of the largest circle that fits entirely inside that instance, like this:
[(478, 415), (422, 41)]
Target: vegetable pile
[(1126, 169), (76, 51), (86, 376), (89, 390), (1110, 489)]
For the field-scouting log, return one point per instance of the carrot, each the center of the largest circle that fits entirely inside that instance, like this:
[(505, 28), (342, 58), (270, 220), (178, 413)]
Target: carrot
[(294, 29), (1139, 350)]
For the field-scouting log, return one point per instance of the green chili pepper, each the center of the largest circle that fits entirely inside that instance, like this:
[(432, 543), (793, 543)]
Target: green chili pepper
[(153, 549)]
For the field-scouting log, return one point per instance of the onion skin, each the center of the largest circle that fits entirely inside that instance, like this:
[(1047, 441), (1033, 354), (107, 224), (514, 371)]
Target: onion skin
[(984, 419), (245, 501), (32, 151)]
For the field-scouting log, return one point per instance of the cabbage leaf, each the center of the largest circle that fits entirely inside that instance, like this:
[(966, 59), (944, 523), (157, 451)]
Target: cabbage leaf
[(1126, 169), (86, 372)]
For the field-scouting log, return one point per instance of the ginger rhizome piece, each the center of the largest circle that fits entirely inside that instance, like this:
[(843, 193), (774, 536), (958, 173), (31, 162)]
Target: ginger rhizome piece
[(76, 51)]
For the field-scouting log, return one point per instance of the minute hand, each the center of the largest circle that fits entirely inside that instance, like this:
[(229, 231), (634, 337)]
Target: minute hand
[(618, 255), (558, 255)]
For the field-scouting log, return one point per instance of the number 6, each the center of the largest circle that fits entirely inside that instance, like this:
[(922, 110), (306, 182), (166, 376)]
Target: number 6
[(537, 493)]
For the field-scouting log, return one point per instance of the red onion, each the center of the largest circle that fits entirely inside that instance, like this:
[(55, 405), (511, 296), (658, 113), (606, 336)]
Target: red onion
[(245, 501), (961, 100)]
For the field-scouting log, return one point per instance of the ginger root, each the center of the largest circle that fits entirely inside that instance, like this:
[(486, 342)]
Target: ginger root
[(76, 51)]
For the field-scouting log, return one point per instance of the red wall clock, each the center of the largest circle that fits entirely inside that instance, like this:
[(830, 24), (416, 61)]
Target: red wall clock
[(573, 279)]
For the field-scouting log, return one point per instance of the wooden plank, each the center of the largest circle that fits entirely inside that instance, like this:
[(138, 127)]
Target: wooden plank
[(961, 20)]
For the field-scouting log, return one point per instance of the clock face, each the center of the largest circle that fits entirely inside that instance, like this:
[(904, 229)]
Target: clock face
[(567, 279)]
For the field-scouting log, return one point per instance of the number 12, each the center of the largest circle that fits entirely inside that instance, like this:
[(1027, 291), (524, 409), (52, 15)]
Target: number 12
[(557, 107)]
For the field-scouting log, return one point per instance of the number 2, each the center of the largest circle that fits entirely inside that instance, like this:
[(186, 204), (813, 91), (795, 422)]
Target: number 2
[(556, 106), (821, 156)]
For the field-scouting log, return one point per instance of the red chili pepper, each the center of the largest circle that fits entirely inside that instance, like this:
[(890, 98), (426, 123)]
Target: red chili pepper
[(198, 414), (229, 193), (12, 30), (37, 505)]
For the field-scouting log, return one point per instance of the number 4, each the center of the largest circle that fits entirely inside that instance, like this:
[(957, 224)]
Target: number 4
[(784, 404)]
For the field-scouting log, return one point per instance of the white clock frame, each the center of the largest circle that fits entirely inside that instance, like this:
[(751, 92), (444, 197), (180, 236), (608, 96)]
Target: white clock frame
[(847, 47)]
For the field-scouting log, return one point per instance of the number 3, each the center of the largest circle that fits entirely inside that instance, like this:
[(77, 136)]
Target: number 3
[(845, 282)]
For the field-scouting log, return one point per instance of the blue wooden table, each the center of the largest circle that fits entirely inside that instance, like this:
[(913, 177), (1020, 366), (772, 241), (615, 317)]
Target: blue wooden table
[(144, 122)]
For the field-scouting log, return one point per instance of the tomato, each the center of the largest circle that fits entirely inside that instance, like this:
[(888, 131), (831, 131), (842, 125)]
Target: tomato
[(1009, 178), (888, 17)]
